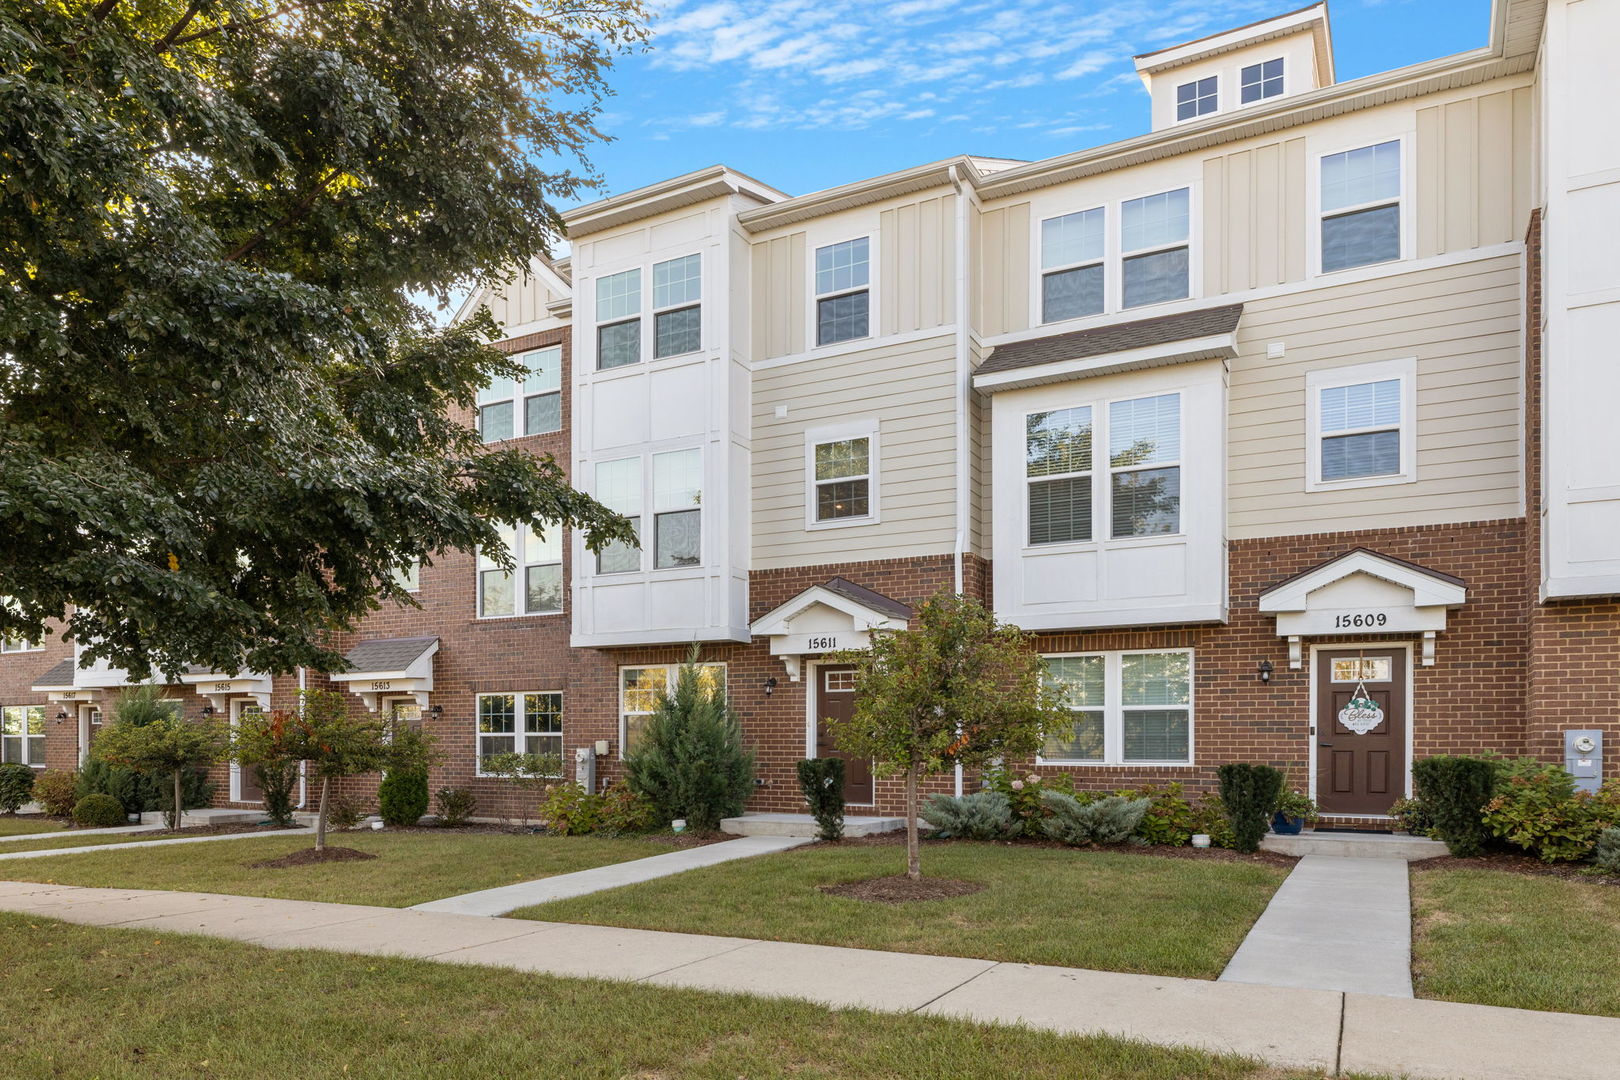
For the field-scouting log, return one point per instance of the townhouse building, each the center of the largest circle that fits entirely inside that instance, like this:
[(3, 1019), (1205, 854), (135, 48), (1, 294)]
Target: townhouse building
[(1284, 427)]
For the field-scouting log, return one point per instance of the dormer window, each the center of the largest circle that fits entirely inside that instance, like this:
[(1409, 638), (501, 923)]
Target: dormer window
[(1261, 81), (1195, 98)]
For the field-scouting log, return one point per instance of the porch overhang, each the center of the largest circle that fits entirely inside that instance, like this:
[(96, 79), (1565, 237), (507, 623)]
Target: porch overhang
[(831, 617), (1363, 593), (220, 687), (57, 684), (390, 667)]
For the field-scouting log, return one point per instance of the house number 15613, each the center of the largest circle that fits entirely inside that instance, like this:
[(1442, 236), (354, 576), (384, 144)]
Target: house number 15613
[(1378, 618)]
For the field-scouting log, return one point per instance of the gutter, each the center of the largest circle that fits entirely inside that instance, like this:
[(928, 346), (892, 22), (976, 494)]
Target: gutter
[(964, 387)]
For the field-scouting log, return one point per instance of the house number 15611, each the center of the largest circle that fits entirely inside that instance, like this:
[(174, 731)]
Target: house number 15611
[(1364, 620)]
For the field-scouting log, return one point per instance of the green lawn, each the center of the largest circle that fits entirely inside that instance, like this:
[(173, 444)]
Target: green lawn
[(1092, 909), (412, 868), (1499, 938), (116, 1004), (19, 824)]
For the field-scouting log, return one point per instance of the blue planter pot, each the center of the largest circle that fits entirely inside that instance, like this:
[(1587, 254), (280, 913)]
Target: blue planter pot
[(1286, 826)]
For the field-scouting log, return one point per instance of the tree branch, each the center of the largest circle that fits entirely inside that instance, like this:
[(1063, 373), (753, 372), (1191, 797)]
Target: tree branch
[(103, 9), (169, 36), (243, 24), (286, 219)]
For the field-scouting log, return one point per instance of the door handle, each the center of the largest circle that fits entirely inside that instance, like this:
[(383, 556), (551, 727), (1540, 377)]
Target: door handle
[(1324, 744)]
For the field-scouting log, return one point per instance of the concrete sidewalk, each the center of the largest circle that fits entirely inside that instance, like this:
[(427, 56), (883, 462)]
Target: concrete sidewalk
[(1315, 1029), (1334, 924), (83, 849), (499, 901)]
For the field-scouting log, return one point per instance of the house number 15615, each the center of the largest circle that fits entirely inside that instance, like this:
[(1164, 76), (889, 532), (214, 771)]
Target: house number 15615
[(1363, 620)]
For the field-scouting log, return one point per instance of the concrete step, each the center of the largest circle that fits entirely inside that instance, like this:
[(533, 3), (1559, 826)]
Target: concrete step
[(1355, 845), (805, 825), (208, 816)]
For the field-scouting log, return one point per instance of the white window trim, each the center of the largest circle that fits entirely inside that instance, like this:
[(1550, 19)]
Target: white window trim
[(520, 584), (19, 645), (1102, 487), (1240, 103), (1175, 101), (871, 236), (1114, 711), (643, 294), (402, 579), (1315, 213), (1114, 256), (867, 429), (27, 739), (520, 738), (1404, 369), (652, 512), (671, 671), (652, 320), (518, 399), (1042, 271)]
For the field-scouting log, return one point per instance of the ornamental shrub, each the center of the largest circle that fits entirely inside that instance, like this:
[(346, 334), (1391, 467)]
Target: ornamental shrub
[(691, 762), (402, 797), (1169, 817), (1412, 816), (99, 811), (1455, 791), (1250, 794), (1209, 816), (1540, 811), (346, 811), (278, 780), (570, 810), (56, 791), (98, 777), (455, 805), (625, 811), (983, 815), (1607, 856), (16, 786), (822, 781), (1024, 795), (1109, 820)]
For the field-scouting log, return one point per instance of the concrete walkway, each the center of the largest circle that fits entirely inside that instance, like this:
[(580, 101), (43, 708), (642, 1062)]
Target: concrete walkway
[(1314, 1029), (1335, 924), (120, 830), (133, 844), (499, 901)]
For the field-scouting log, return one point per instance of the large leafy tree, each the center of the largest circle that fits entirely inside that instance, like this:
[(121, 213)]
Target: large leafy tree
[(957, 688), (224, 423)]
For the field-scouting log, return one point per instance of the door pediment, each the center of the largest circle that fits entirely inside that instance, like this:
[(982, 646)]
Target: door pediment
[(830, 617)]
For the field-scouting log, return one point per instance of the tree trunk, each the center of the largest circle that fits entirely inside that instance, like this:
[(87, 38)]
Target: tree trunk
[(913, 859), (179, 807), (320, 818)]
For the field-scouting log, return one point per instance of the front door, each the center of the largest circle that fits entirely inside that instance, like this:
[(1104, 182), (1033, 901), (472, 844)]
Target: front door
[(835, 700), (249, 787), (1361, 718)]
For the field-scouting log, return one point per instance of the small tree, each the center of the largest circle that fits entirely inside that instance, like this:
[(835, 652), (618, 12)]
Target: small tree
[(402, 797), (690, 762), (148, 736), (959, 688), (262, 742), (323, 733)]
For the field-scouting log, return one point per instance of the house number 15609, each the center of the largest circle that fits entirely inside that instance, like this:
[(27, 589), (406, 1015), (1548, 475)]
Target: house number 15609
[(1370, 619)]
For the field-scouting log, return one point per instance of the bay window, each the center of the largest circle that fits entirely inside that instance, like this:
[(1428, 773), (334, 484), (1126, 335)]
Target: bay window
[(1057, 452), (1128, 708), (1361, 206), (1144, 462), (618, 311), (538, 558), (1142, 478), (527, 723), (1154, 233)]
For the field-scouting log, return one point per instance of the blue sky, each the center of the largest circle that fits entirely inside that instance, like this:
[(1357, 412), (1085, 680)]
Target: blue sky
[(806, 94)]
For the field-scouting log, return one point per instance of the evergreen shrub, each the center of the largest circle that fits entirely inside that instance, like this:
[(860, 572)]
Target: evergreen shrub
[(1455, 791), (822, 781), (1250, 794)]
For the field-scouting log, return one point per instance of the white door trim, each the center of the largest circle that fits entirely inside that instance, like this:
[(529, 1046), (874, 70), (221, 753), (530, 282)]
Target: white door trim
[(812, 694), (1411, 710)]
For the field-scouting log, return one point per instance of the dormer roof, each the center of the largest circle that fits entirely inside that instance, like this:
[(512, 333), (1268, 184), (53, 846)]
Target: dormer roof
[(1312, 19)]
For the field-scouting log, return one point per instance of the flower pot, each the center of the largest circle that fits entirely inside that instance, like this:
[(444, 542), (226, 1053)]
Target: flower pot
[(1286, 826), (1200, 839)]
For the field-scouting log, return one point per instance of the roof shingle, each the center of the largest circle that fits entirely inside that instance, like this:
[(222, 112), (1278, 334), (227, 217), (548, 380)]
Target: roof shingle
[(1120, 337), (387, 654)]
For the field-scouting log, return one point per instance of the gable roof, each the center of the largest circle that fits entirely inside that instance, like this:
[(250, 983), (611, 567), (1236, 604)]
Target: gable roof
[(869, 598), (58, 675), (1429, 587), (388, 654), (1120, 337)]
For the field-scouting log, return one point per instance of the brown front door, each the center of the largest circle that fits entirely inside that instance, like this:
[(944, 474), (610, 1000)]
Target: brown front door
[(249, 787), (1361, 718), (835, 700)]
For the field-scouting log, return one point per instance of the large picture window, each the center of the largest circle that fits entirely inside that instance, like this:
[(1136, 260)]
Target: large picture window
[(640, 688), (1141, 479), (22, 734), (526, 723), (1361, 206), (535, 587), (843, 294), (1129, 708)]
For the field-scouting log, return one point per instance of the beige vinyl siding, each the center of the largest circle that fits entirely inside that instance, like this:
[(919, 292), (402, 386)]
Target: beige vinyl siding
[(908, 389), (520, 301), (1254, 217), (1005, 270), (1461, 322), (779, 296), (1473, 171), (979, 475), (916, 273)]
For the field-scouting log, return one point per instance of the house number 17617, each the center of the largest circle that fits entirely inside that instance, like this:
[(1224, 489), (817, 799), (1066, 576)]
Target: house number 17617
[(1363, 620)]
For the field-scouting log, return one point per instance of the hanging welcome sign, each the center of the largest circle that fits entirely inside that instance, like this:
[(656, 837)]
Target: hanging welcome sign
[(1361, 713)]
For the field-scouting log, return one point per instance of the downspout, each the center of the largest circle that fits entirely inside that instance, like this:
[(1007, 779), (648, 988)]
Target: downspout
[(964, 375), (303, 767)]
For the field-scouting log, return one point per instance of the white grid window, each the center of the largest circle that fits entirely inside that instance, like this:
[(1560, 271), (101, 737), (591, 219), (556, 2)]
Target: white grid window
[(1197, 98), (1260, 81), (1072, 277), (1144, 463), (1359, 428), (1361, 206), (1129, 708), (409, 576), (841, 479), (1155, 262), (843, 296), (618, 329), (1058, 465), (530, 405), (18, 643), (527, 723), (22, 734), (640, 688), (536, 588), (618, 487), (677, 519), (677, 315)]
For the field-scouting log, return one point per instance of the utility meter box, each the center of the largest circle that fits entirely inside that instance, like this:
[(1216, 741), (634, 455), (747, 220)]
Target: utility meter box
[(1583, 757), (585, 767)]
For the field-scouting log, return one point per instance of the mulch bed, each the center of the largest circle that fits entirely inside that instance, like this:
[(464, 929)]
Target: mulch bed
[(663, 839), (1513, 863), (309, 856), (210, 830), (1162, 851), (688, 839), (899, 889)]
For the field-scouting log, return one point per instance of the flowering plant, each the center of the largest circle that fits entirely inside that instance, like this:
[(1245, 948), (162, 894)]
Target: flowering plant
[(1296, 805)]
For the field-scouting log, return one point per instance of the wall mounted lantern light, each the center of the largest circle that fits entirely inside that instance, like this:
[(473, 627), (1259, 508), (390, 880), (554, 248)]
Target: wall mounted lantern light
[(1265, 671), (208, 710), (437, 711), (770, 686), (61, 716)]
